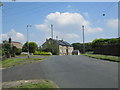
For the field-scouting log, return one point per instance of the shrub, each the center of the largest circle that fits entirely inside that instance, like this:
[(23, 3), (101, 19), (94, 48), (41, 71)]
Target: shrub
[(42, 53), (18, 52)]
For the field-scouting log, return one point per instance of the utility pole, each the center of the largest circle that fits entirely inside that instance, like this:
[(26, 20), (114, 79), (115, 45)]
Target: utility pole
[(28, 40), (52, 38), (56, 37), (83, 39), (52, 31)]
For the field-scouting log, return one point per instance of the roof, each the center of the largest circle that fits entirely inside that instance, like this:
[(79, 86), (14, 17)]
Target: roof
[(17, 44), (60, 42), (63, 43)]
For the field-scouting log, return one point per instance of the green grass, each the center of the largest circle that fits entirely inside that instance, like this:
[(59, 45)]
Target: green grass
[(104, 57), (28, 84), (18, 61), (37, 85)]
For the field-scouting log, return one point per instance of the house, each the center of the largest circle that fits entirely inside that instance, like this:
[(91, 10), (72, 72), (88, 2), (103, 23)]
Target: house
[(58, 47), (17, 44), (14, 43)]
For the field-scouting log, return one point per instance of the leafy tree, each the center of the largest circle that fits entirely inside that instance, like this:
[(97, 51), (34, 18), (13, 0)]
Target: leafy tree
[(32, 47), (79, 46), (25, 47), (6, 49)]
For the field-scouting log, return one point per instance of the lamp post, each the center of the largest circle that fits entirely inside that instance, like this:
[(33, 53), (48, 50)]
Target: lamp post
[(28, 40)]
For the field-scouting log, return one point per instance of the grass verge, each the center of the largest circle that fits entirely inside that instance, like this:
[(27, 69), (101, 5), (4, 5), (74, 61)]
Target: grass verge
[(18, 61), (104, 57), (29, 84)]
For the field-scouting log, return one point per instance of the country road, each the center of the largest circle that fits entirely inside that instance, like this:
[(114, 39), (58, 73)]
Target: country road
[(68, 72)]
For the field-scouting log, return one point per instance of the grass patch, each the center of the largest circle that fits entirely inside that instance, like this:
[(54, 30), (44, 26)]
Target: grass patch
[(18, 61), (27, 84), (104, 57), (37, 85)]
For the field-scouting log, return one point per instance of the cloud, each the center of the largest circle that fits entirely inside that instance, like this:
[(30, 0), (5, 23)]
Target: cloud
[(72, 35), (16, 36), (113, 23), (67, 24), (86, 14)]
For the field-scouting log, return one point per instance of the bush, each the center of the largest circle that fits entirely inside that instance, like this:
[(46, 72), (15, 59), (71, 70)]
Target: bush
[(42, 53), (13, 55), (18, 52)]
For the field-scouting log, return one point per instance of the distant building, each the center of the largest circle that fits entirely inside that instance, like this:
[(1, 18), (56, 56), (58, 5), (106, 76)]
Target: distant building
[(17, 44), (58, 47), (14, 43)]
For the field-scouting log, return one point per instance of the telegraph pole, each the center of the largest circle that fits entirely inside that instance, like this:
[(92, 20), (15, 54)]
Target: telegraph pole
[(52, 31), (52, 38), (83, 39), (28, 40)]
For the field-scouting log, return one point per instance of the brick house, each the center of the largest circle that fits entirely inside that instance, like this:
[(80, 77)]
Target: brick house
[(58, 47)]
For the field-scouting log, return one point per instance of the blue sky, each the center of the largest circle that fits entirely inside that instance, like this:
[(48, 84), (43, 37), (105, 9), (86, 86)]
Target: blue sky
[(66, 17)]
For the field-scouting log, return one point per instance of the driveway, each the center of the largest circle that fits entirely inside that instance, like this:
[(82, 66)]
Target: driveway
[(68, 72)]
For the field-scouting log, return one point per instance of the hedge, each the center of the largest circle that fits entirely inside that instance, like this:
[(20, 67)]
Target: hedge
[(41, 53), (106, 46)]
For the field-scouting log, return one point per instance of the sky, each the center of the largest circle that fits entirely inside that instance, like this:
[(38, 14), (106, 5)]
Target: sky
[(67, 19)]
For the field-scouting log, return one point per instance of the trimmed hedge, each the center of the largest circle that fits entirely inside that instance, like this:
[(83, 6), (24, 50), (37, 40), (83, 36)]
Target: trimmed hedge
[(106, 46), (41, 53), (79, 46)]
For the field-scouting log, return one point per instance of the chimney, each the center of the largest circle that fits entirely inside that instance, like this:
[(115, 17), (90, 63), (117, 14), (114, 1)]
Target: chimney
[(47, 39), (10, 39)]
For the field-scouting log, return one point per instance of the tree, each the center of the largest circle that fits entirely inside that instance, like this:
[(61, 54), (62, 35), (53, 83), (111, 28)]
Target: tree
[(25, 47), (79, 46), (18, 52), (6, 49), (32, 47)]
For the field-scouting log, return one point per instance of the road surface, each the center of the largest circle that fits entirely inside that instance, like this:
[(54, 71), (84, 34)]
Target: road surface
[(68, 72)]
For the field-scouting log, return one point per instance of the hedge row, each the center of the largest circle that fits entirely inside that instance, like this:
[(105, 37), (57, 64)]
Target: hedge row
[(79, 46), (113, 41), (106, 46)]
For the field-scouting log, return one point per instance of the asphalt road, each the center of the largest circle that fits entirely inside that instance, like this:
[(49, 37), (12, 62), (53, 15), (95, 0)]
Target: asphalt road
[(68, 72)]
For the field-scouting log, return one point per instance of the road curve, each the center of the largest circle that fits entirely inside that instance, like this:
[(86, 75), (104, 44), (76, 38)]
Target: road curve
[(68, 72)]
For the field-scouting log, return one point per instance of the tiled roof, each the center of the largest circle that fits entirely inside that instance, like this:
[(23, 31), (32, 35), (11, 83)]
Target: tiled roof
[(63, 43), (60, 42)]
